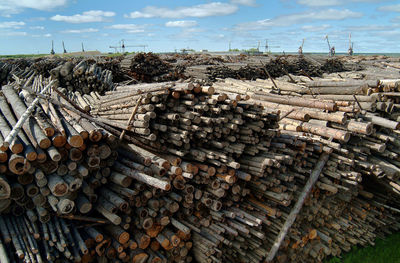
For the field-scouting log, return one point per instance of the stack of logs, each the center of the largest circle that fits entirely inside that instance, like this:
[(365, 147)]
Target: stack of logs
[(150, 67), (63, 164), (355, 199), (210, 173), (82, 76)]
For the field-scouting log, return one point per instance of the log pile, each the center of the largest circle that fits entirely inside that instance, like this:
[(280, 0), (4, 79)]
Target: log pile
[(241, 171), (149, 67), (278, 67), (61, 163), (355, 198), (83, 77)]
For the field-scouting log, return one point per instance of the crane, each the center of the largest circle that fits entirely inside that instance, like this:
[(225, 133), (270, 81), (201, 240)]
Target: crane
[(301, 48), (350, 50), (121, 46), (115, 48), (268, 47), (83, 50), (65, 51), (143, 46), (52, 48), (331, 49)]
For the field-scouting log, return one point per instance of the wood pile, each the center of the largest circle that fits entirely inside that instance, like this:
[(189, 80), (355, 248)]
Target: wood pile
[(356, 196), (149, 67), (278, 67), (10, 67), (241, 171), (83, 76)]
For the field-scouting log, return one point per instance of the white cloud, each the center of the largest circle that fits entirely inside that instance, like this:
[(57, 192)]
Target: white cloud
[(85, 17), (15, 33), (313, 28), (34, 19), (79, 31), (244, 2), (390, 8), (44, 35), (204, 10), (320, 3), (181, 23), (389, 33), (11, 24), (37, 27), (194, 30), (297, 18), (9, 7), (368, 28), (130, 28)]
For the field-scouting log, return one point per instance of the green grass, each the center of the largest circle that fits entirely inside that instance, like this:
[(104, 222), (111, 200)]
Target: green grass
[(384, 251)]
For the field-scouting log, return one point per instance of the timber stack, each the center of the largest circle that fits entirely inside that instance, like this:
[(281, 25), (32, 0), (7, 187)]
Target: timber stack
[(149, 67), (83, 76), (225, 173), (354, 200), (203, 136), (61, 163)]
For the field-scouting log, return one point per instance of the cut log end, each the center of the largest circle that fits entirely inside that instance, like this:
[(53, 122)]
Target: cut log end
[(18, 165), (16, 148), (75, 141), (44, 143), (60, 189), (95, 136), (123, 238), (59, 140)]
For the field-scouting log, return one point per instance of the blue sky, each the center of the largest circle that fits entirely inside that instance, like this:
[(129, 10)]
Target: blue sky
[(29, 26)]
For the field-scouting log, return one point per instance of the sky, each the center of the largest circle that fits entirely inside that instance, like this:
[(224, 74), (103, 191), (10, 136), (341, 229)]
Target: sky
[(29, 26)]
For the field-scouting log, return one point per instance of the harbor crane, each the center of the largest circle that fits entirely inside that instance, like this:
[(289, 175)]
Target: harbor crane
[(121, 46), (301, 47), (65, 51), (83, 49), (268, 47), (331, 49), (350, 50), (115, 48), (52, 48), (142, 46)]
